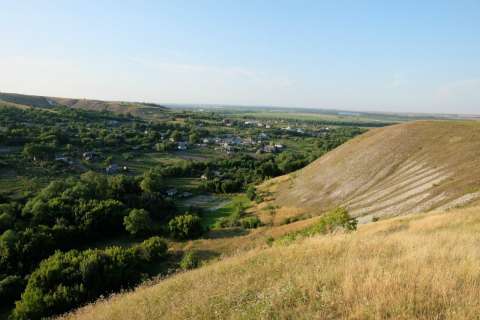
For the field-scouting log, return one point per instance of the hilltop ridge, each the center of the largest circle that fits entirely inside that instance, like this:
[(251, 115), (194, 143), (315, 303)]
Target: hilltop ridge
[(33, 101)]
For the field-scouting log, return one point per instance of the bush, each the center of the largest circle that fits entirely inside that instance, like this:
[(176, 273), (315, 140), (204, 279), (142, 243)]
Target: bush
[(186, 226), (251, 193), (290, 220), (11, 287), (329, 222), (190, 260), (152, 249), (138, 222), (250, 222)]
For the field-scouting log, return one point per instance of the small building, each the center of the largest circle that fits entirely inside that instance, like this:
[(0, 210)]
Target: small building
[(64, 160), (89, 156), (262, 136), (182, 146)]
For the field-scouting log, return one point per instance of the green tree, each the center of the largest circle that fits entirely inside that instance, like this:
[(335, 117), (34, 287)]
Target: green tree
[(176, 135), (186, 226), (190, 260), (138, 222), (193, 138), (151, 182)]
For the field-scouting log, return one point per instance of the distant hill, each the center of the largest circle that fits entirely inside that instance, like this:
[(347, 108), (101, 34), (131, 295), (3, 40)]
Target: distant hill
[(21, 100), (405, 168)]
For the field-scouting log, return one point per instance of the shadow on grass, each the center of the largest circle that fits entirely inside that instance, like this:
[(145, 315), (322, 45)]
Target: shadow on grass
[(206, 255), (226, 233)]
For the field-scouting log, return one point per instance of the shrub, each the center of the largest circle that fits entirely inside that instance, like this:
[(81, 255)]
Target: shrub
[(138, 222), (250, 222), (190, 260), (329, 222), (11, 287), (269, 241), (251, 193), (152, 249), (290, 220), (186, 226)]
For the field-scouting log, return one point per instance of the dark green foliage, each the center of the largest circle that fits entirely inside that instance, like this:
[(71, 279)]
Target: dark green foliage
[(66, 280), (70, 213), (186, 226), (291, 220), (10, 288), (250, 222), (329, 222), (190, 260), (151, 182), (251, 193), (138, 222)]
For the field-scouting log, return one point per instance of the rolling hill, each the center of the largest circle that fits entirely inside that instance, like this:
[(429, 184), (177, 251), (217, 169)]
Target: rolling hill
[(421, 266), (21, 100), (400, 169)]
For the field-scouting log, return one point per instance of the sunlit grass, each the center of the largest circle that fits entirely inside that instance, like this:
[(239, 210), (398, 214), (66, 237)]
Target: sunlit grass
[(422, 267)]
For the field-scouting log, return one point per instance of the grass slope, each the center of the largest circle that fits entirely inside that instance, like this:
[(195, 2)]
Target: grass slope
[(418, 266), (405, 168)]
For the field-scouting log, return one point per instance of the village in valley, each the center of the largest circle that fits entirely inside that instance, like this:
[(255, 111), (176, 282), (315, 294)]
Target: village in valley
[(80, 141)]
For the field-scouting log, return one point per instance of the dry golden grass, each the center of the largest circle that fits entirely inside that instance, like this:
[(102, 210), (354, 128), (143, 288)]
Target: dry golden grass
[(422, 266)]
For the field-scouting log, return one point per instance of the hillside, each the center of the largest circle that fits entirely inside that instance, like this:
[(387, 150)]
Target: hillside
[(14, 99), (405, 168), (420, 266)]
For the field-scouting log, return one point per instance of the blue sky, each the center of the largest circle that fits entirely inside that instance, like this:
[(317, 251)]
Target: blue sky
[(420, 56)]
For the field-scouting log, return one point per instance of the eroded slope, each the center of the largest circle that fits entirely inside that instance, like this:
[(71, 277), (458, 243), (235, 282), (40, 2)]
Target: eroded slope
[(406, 168)]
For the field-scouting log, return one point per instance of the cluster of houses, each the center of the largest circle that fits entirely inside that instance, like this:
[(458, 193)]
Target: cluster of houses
[(247, 123), (113, 168), (297, 130), (256, 123), (231, 143)]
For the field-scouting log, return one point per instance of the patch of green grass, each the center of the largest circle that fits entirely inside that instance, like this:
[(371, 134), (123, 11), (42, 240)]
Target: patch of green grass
[(320, 116), (329, 222), (211, 217), (188, 184)]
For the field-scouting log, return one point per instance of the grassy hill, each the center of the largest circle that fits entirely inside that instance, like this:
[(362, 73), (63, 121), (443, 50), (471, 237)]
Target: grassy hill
[(405, 168), (21, 100), (422, 265), (419, 266)]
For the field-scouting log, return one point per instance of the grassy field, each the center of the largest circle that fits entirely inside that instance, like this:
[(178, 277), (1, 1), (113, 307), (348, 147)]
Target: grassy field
[(226, 208), (142, 162), (422, 267), (311, 116)]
